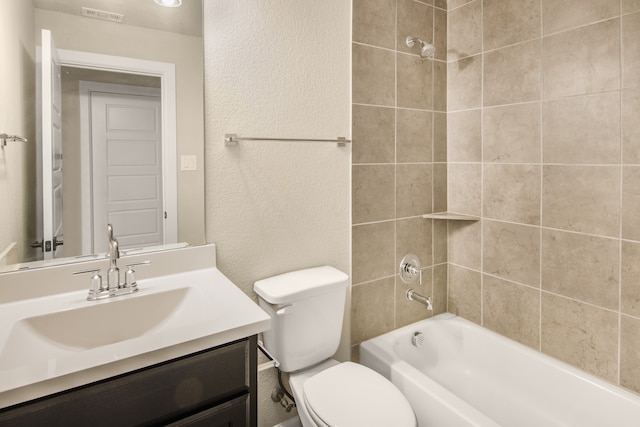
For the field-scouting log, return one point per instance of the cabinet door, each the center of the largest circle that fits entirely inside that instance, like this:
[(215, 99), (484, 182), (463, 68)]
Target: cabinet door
[(150, 396), (233, 413)]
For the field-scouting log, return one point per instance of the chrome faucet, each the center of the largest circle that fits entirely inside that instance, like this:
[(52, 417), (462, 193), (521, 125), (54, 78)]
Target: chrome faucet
[(113, 288), (414, 296), (113, 273)]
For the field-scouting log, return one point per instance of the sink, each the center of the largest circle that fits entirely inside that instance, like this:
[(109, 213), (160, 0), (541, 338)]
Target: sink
[(54, 341), (99, 324)]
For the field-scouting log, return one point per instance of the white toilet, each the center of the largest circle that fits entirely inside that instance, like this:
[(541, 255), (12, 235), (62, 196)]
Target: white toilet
[(306, 309)]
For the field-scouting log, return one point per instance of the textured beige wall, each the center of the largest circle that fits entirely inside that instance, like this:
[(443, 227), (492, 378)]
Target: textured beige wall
[(543, 143), (399, 163), (186, 52), (277, 69), (17, 111)]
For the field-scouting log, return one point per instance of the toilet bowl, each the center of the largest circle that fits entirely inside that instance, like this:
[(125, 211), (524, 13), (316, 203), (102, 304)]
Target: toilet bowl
[(306, 309)]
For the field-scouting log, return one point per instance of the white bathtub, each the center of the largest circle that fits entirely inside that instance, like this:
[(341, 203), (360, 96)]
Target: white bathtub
[(466, 375)]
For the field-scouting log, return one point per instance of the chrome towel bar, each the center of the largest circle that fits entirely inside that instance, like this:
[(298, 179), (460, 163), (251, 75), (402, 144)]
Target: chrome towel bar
[(4, 137), (233, 139)]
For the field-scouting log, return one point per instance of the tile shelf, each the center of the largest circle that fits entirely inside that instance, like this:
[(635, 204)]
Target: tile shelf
[(451, 216)]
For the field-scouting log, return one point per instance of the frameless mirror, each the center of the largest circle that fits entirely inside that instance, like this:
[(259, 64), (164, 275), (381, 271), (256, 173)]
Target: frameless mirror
[(115, 155)]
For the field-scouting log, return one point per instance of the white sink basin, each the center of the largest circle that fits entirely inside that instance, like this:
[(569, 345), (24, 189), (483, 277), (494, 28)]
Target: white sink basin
[(96, 325), (68, 339)]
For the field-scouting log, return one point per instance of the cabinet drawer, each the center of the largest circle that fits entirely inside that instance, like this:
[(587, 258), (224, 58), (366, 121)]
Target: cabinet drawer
[(233, 413), (147, 396)]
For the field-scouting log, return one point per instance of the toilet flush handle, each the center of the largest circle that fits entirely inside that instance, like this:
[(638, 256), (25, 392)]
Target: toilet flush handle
[(279, 309), (282, 310)]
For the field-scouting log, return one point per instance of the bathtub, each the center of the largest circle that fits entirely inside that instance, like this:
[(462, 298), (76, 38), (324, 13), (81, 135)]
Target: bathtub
[(466, 375)]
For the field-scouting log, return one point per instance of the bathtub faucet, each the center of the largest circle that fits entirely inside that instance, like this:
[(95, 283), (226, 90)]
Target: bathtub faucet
[(414, 296)]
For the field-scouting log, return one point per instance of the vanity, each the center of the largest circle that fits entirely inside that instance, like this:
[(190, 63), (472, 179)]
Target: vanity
[(180, 351)]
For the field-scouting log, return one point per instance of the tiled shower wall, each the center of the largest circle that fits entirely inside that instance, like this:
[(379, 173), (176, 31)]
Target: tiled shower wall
[(544, 146), (399, 161)]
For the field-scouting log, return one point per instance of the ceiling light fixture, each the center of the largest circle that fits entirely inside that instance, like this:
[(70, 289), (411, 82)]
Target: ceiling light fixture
[(169, 3)]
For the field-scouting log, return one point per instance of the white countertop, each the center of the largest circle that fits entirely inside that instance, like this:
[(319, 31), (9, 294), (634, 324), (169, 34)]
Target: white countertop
[(216, 312)]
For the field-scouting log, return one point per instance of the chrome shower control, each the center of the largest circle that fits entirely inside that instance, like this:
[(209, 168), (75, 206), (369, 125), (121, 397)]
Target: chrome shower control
[(410, 268)]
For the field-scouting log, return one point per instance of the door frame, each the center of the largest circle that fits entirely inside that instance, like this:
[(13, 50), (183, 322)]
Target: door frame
[(167, 73)]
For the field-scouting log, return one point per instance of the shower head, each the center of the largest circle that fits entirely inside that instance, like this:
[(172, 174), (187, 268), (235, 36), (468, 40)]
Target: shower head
[(427, 50)]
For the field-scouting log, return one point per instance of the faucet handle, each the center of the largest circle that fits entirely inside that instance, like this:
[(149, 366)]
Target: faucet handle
[(130, 275), (95, 287)]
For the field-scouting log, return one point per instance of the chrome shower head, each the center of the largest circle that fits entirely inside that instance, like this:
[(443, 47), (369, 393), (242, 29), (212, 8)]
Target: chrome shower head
[(427, 50)]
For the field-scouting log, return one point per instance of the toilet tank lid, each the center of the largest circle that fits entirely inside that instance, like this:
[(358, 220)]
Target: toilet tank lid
[(300, 284)]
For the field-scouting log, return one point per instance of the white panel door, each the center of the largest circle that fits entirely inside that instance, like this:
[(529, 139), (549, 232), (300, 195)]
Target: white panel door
[(127, 169), (50, 150)]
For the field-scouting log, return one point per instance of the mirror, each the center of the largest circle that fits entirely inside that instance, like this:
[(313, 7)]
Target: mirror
[(146, 32)]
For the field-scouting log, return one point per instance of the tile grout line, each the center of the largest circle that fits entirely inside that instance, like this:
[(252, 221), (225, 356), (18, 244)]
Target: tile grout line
[(541, 141), (620, 141)]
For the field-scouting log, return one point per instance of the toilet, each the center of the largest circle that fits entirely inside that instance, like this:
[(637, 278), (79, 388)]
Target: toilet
[(306, 309)]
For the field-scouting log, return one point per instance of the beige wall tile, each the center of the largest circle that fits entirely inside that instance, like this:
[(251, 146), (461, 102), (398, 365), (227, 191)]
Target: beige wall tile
[(630, 126), (452, 4), (583, 129), (373, 75), (414, 136), (413, 189), (580, 334), (374, 252), (630, 278), (442, 4), (440, 137), (581, 267), (559, 15), (373, 134), (464, 194), (414, 236), (464, 293), (465, 31), (415, 19), (512, 74), (374, 22), (630, 353), (512, 310), (464, 136), (630, 202), (439, 86), (631, 51), (412, 311), (372, 309), (512, 192), (439, 242), (629, 6), (440, 34), (439, 300), (439, 187), (512, 133), (373, 194), (506, 22), (582, 198), (464, 83), (581, 61), (465, 244), (512, 252), (415, 82)]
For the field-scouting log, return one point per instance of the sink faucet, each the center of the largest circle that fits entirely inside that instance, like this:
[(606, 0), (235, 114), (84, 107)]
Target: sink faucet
[(113, 273), (113, 288)]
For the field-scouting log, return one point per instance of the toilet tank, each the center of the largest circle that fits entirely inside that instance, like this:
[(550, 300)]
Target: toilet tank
[(306, 309)]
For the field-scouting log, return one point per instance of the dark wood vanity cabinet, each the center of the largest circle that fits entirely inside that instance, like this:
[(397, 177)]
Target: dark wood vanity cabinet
[(215, 387)]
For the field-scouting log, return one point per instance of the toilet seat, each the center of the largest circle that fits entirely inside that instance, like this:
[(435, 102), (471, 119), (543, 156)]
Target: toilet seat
[(349, 394)]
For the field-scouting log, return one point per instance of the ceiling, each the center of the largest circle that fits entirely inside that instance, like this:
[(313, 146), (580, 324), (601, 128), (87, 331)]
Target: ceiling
[(141, 13)]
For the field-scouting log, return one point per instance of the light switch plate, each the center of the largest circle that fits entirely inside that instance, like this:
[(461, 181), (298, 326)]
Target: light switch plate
[(188, 163)]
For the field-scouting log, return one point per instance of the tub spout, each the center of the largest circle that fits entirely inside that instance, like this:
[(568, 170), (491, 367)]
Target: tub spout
[(414, 296)]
